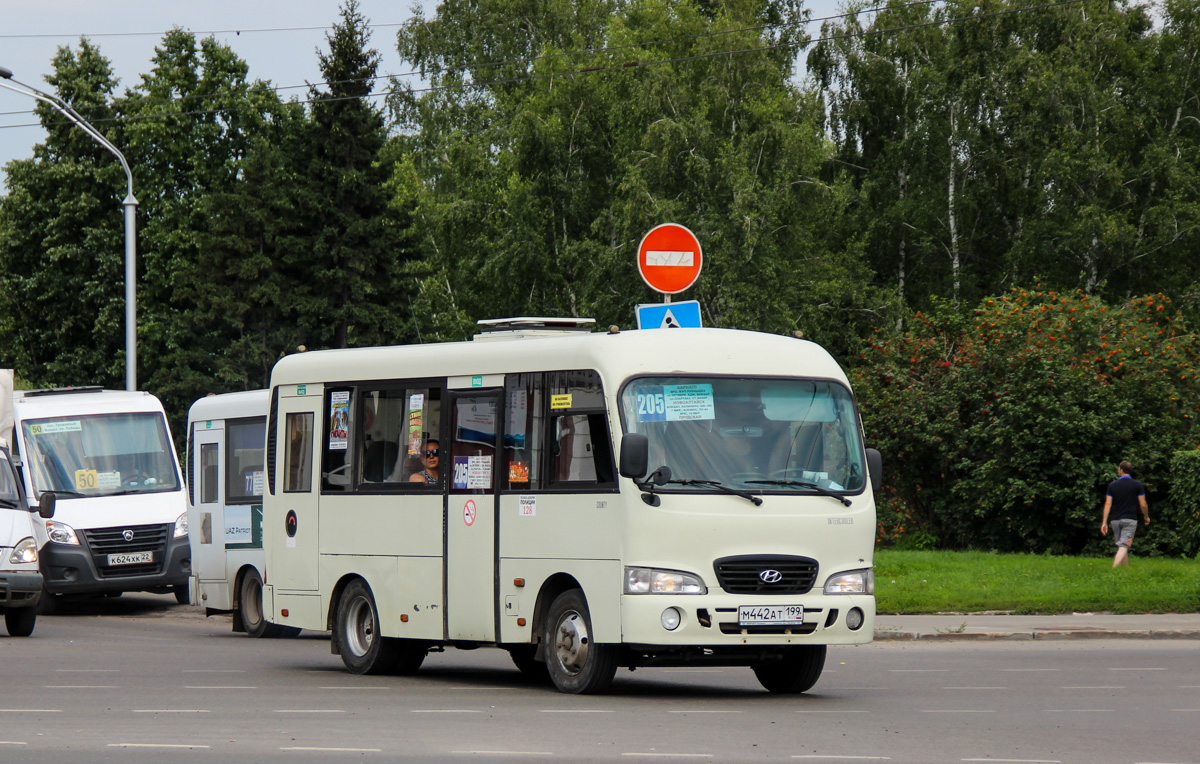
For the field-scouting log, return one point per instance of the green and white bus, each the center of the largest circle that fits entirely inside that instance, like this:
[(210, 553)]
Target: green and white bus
[(585, 500)]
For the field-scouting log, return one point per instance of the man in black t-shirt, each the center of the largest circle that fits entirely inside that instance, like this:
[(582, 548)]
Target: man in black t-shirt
[(1125, 496)]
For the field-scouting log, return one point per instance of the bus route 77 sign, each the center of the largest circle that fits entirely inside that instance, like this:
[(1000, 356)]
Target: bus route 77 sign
[(669, 258)]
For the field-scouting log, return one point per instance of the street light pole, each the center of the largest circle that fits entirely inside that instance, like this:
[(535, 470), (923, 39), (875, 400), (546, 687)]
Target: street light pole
[(130, 205)]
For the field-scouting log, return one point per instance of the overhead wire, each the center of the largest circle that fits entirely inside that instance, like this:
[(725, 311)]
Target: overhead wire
[(618, 67)]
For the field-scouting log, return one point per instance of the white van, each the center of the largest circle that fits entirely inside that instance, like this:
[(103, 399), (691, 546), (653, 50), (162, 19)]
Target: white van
[(20, 579), (121, 518)]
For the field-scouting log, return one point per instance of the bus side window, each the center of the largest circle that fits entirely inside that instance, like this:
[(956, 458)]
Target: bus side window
[(582, 449), (524, 431), (208, 469), (336, 461)]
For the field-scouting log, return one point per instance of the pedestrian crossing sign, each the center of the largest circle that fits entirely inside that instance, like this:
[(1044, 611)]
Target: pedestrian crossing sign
[(669, 315)]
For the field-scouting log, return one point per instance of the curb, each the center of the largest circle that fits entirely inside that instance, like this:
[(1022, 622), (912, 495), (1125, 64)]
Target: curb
[(1041, 634)]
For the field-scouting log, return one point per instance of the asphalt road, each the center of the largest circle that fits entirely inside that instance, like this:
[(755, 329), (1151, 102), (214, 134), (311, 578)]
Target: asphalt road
[(140, 679)]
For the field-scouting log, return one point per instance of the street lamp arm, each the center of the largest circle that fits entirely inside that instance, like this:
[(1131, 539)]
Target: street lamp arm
[(62, 107)]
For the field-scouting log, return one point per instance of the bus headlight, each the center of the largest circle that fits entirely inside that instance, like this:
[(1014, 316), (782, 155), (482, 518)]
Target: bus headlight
[(851, 582), (24, 552), (61, 533), (181, 526), (655, 581)]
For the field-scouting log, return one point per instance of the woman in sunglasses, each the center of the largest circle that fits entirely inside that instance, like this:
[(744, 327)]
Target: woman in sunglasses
[(429, 462)]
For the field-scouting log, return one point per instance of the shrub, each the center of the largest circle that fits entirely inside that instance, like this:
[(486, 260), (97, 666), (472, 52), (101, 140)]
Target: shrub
[(1001, 429)]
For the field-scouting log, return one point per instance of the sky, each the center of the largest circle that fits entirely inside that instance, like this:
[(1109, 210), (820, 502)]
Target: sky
[(278, 39)]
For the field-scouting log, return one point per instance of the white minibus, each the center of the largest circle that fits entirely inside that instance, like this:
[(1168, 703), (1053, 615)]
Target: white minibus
[(585, 500), (225, 443), (120, 522)]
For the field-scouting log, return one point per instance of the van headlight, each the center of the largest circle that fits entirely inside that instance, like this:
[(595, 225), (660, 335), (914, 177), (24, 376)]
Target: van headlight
[(24, 552), (61, 533), (851, 582), (181, 526), (655, 581)]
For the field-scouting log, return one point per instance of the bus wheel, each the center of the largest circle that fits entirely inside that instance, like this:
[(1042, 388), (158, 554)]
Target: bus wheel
[(364, 650), (796, 672), (20, 621), (575, 663)]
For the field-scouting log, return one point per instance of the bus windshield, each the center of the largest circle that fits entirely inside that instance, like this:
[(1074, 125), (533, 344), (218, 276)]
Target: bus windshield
[(100, 454), (754, 434)]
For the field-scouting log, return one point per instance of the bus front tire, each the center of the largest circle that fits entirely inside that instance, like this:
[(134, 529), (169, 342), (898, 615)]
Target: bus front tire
[(796, 672), (575, 663), (364, 650), (250, 603), (20, 621)]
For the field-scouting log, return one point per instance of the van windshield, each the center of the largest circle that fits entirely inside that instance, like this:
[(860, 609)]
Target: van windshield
[(753, 434), (100, 454)]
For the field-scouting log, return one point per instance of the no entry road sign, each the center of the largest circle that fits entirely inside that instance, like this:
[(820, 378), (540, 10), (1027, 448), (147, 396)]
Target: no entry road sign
[(669, 258)]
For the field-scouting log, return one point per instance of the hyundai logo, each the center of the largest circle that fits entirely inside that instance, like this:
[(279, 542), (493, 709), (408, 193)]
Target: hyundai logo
[(128, 536), (770, 576)]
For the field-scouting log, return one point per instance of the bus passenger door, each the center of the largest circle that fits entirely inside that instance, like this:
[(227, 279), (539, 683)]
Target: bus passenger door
[(207, 518), (471, 516), (292, 555)]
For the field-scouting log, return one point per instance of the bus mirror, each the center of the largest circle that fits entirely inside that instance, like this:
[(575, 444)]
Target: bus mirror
[(875, 468), (635, 455), (46, 504)]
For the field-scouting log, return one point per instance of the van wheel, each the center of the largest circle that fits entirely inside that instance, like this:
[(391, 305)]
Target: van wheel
[(576, 664), (796, 672), (181, 594), (364, 649), (20, 621)]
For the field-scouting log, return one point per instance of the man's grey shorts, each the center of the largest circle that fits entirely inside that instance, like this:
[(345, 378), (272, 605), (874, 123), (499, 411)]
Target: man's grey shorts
[(1123, 531)]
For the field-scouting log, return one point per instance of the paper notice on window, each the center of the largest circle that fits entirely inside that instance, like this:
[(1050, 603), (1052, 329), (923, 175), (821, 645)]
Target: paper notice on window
[(479, 472), (686, 403)]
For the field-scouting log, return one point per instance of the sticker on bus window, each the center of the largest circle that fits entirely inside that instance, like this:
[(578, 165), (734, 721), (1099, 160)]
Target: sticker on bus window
[(339, 420), (479, 472), (518, 472), (49, 428), (85, 480), (675, 403), (560, 401)]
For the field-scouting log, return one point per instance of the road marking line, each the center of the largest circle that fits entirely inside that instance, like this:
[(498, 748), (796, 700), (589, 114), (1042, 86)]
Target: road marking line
[(1185, 710), (702, 711), (445, 711), (1094, 687), (480, 689), (30, 710), (847, 711), (349, 687), (1020, 761), (673, 755), (974, 688), (169, 711), (214, 671), (957, 711), (12, 742), (574, 711), (1031, 669), (220, 687), (82, 687), (157, 745), (309, 711), (87, 671), (1136, 669), (917, 671), (508, 753), (1078, 711), (332, 750), (856, 758)]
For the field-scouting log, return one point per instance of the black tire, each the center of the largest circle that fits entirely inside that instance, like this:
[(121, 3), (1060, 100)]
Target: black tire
[(575, 663), (250, 605), (47, 604), (364, 650), (410, 654), (796, 672), (20, 621), (181, 594)]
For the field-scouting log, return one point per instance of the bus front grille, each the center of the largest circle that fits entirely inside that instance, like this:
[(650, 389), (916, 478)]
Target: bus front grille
[(766, 574), (141, 538)]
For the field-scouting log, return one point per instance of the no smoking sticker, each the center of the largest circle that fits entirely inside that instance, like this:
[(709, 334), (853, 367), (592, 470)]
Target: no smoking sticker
[(469, 512)]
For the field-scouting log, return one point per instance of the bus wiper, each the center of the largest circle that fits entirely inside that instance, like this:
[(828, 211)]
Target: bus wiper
[(801, 484), (720, 487), (61, 492)]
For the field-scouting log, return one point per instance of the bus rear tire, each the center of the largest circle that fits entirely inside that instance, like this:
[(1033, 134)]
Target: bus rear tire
[(576, 664), (364, 650), (20, 621), (796, 672)]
